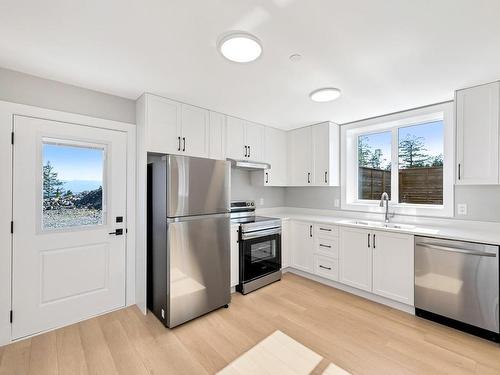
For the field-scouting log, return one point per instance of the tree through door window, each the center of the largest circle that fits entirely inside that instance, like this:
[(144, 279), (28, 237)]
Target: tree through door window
[(72, 184)]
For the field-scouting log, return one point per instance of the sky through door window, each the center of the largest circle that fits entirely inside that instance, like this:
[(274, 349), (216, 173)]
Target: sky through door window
[(72, 176)]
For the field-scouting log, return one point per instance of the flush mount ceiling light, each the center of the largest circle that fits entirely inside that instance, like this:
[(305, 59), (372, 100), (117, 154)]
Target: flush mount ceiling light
[(326, 94), (240, 47)]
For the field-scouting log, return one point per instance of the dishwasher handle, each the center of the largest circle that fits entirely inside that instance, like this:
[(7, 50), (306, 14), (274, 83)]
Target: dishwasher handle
[(457, 250)]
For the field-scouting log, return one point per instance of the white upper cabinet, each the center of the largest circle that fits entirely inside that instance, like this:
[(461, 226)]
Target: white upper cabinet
[(477, 112), (163, 125), (300, 156), (245, 140), (254, 139), (275, 153), (217, 144), (194, 131), (393, 270), (236, 146), (326, 154), (314, 153)]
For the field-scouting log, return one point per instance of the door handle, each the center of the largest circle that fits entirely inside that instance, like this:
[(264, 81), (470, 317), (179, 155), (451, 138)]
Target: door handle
[(325, 229), (308, 177), (457, 250), (369, 235), (179, 143), (459, 171), (374, 241), (326, 268), (310, 230), (326, 177), (267, 177), (184, 143), (323, 245), (246, 151), (117, 232)]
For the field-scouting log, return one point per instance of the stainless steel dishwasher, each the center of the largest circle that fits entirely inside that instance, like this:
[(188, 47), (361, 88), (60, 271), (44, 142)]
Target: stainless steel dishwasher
[(457, 284)]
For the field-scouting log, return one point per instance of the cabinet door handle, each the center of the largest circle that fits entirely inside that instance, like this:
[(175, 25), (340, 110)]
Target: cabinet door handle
[(310, 230), (322, 245), (184, 143), (267, 177), (308, 177), (326, 177), (325, 229), (326, 268), (459, 171), (179, 144), (248, 151), (374, 241), (369, 235)]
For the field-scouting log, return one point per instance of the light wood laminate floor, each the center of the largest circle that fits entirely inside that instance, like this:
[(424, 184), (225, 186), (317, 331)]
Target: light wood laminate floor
[(358, 335)]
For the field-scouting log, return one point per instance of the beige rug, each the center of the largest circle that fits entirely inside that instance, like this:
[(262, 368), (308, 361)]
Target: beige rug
[(278, 354)]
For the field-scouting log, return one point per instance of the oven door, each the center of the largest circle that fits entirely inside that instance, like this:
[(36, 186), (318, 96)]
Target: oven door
[(260, 256)]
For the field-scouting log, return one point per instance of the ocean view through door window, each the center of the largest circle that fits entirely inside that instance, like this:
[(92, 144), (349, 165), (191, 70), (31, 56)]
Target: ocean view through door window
[(73, 182)]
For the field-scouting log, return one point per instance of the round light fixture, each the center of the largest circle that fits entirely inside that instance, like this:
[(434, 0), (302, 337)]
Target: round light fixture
[(326, 94), (240, 47)]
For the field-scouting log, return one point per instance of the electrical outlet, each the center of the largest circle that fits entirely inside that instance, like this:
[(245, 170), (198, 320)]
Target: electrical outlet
[(336, 202), (462, 209), (261, 201)]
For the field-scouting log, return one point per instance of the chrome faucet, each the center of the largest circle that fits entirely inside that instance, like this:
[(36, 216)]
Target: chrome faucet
[(385, 197)]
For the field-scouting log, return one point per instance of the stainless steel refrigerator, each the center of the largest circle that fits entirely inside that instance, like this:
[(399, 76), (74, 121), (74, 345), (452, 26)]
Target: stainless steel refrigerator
[(189, 248)]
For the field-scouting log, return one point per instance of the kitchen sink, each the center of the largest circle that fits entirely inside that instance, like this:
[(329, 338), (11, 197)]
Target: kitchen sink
[(381, 224)]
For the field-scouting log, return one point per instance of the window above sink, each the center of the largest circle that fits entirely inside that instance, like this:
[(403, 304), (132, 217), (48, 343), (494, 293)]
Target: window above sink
[(409, 155)]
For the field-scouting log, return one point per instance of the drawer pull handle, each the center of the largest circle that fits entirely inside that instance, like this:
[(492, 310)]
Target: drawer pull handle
[(328, 246), (325, 229), (326, 268)]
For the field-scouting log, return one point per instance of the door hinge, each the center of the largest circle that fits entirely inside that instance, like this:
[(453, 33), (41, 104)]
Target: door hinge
[(12, 138), (10, 316), (11, 227)]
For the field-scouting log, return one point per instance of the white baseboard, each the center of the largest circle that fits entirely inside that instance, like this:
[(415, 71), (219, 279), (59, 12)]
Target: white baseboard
[(360, 293)]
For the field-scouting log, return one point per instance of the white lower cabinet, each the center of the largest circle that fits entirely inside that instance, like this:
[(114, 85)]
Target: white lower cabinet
[(393, 272), (302, 246), (235, 255), (356, 258), (285, 243), (378, 262)]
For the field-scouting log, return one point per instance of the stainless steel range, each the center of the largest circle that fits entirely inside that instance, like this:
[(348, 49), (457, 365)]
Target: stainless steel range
[(260, 247)]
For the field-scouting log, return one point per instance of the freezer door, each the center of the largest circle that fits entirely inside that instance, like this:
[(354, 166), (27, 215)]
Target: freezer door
[(198, 266), (458, 280), (197, 186)]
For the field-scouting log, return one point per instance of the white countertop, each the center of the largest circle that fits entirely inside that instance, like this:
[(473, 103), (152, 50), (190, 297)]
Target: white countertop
[(473, 231)]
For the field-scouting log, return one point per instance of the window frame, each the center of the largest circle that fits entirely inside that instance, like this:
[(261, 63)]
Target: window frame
[(71, 142), (393, 122)]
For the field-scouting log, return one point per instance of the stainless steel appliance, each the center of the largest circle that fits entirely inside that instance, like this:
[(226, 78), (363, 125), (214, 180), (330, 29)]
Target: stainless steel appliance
[(457, 284), (260, 247), (190, 237)]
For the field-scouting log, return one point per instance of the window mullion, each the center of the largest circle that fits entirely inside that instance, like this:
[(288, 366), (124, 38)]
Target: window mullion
[(395, 166)]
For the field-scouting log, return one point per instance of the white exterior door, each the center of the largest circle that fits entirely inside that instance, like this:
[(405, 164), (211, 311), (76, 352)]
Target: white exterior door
[(69, 195)]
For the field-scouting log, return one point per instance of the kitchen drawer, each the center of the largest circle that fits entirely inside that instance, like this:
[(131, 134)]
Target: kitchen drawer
[(326, 231), (326, 267), (327, 246)]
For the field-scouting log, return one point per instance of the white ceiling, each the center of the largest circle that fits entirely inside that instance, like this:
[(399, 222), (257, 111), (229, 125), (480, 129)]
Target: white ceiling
[(385, 55)]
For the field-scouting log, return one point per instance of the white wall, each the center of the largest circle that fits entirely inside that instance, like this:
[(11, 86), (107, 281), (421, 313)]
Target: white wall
[(23, 88), (242, 189), (483, 202)]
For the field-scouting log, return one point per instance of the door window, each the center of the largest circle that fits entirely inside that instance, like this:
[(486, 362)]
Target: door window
[(73, 186)]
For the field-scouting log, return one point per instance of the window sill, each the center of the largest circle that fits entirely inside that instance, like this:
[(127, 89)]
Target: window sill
[(400, 209)]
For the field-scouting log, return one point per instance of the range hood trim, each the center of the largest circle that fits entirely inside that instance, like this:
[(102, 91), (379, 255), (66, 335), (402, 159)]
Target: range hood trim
[(251, 165)]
